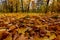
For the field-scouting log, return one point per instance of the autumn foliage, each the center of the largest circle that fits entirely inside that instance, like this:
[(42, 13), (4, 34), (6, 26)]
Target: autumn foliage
[(30, 26)]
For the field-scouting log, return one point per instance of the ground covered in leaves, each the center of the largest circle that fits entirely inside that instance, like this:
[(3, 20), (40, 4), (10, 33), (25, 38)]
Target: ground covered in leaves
[(30, 26)]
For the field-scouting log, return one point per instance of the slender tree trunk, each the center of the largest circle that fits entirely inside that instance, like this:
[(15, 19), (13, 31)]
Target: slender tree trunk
[(28, 8), (6, 5), (22, 5), (16, 7), (28, 5), (47, 6), (11, 7), (52, 7), (2, 6)]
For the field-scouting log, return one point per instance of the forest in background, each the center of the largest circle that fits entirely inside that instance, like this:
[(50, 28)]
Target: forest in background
[(29, 6)]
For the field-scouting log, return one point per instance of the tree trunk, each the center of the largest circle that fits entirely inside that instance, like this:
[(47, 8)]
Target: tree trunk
[(16, 7), (22, 5), (28, 5), (47, 6), (11, 7), (1, 7)]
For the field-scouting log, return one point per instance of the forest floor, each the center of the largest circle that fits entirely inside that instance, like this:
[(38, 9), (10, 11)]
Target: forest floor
[(29, 26), (31, 14)]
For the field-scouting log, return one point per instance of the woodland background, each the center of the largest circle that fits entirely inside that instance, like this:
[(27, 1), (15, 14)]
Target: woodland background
[(36, 6)]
